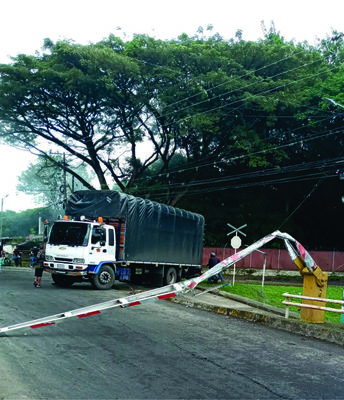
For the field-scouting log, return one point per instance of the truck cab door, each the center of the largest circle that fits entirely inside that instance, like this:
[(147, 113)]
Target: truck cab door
[(102, 245)]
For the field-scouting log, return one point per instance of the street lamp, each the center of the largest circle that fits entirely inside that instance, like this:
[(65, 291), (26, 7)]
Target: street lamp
[(333, 102), (2, 210)]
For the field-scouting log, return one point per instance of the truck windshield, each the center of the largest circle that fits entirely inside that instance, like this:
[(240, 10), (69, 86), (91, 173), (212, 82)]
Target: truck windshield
[(70, 233)]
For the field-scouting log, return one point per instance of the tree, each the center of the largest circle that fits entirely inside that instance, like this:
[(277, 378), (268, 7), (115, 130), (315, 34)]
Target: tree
[(217, 116), (204, 97), (49, 182), (76, 98), (243, 106), (24, 223)]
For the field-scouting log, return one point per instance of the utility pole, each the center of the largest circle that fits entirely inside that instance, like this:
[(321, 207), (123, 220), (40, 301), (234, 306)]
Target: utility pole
[(64, 180), (2, 215)]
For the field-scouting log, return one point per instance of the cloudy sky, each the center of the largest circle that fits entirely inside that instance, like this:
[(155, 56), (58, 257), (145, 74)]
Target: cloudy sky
[(25, 23)]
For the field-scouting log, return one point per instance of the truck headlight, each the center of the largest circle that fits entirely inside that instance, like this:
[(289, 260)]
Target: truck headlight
[(49, 258), (79, 261)]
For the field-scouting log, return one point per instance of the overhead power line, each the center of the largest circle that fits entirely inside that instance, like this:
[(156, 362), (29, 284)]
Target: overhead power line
[(252, 97), (202, 190), (209, 161), (252, 72), (239, 89), (288, 174)]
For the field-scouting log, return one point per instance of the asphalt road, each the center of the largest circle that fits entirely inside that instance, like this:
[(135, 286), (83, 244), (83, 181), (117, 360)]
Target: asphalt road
[(159, 350)]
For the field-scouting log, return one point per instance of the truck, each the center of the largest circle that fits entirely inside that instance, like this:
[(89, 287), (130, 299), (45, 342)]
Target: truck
[(109, 235)]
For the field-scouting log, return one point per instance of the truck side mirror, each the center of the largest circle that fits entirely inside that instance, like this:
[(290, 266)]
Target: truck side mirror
[(45, 234), (102, 235)]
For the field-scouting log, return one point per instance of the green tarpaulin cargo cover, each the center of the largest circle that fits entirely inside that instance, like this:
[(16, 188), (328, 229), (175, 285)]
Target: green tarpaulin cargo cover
[(155, 233)]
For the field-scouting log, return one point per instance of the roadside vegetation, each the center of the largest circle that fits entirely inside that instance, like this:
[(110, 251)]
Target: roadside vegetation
[(273, 295)]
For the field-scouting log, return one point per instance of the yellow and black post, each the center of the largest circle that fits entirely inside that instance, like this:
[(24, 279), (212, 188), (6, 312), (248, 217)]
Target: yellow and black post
[(314, 285)]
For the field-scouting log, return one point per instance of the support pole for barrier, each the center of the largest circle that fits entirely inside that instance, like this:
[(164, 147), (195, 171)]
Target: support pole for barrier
[(311, 288), (314, 282)]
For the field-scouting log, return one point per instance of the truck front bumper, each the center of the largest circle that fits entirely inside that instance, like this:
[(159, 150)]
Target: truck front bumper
[(64, 269)]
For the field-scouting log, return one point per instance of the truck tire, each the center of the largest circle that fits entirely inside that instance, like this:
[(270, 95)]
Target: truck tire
[(170, 276), (63, 280), (7, 261), (104, 279)]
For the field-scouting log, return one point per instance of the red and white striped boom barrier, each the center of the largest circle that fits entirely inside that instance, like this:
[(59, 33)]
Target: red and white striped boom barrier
[(169, 291)]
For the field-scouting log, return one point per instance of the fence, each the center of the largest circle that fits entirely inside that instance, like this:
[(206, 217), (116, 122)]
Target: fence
[(279, 259), (289, 303)]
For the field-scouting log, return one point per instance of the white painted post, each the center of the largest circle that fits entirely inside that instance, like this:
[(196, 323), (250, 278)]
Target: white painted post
[(342, 315), (236, 242), (287, 309), (264, 267)]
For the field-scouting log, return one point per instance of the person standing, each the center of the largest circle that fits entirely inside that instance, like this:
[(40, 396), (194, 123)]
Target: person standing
[(17, 257), (39, 267), (2, 262), (213, 260), (33, 256)]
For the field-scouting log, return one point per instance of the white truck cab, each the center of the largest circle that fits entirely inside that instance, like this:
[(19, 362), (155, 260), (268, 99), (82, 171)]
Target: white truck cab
[(81, 249)]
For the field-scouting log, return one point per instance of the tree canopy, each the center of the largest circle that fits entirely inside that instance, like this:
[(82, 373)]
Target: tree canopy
[(190, 116)]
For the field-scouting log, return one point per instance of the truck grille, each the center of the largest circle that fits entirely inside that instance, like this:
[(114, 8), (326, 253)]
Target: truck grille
[(65, 260)]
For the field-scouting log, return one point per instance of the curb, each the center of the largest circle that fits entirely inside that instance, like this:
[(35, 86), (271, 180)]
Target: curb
[(255, 304), (326, 332)]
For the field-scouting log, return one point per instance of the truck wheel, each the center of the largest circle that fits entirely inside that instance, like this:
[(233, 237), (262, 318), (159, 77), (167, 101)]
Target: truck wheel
[(170, 276), (104, 279), (62, 280), (7, 261)]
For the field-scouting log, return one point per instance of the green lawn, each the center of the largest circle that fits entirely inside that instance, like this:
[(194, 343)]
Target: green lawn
[(272, 295)]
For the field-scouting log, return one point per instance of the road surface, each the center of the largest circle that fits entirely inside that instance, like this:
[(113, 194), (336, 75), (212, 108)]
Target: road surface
[(159, 350)]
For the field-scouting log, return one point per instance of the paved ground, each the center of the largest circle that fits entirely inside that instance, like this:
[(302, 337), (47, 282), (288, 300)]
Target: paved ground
[(157, 350), (247, 309)]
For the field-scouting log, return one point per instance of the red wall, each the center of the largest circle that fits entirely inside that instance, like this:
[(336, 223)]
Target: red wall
[(330, 261)]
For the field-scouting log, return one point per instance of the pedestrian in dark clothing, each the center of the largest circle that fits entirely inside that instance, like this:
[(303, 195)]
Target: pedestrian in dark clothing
[(213, 260), (39, 267), (33, 256), (17, 257)]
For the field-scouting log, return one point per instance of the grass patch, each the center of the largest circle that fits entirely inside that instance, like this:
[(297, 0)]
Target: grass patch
[(272, 295)]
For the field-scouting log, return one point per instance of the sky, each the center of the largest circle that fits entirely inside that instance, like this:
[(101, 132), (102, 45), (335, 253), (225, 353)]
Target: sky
[(24, 24)]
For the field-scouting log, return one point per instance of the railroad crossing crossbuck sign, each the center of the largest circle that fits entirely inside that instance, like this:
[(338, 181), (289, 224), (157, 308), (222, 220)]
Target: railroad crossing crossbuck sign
[(236, 242)]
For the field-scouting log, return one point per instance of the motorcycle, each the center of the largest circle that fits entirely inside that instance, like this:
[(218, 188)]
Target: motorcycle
[(214, 279), (5, 260)]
